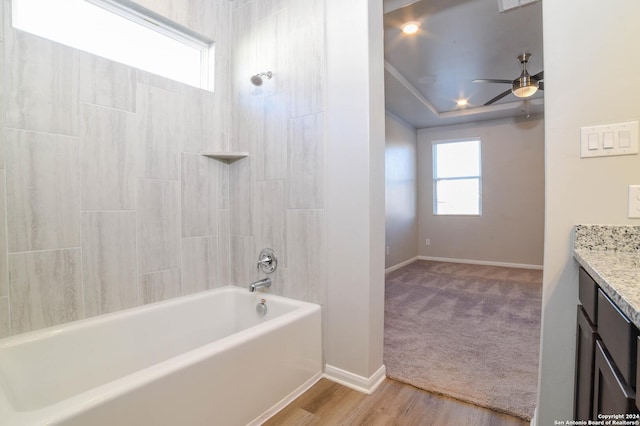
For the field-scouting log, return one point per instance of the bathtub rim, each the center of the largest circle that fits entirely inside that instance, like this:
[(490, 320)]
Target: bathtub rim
[(33, 335), (58, 411)]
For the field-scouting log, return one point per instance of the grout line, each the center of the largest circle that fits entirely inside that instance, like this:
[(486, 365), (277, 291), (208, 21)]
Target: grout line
[(107, 211), (160, 271), (64, 135), (199, 236), (137, 251), (295, 117), (180, 232), (83, 304), (89, 104), (44, 250), (159, 179), (5, 225)]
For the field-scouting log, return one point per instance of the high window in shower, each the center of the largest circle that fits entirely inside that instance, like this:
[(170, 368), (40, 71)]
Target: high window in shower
[(121, 31)]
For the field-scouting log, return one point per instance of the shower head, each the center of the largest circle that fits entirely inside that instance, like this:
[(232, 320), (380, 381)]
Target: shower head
[(257, 79)]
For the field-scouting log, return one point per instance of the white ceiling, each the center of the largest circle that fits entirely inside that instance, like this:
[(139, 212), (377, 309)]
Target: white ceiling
[(458, 41)]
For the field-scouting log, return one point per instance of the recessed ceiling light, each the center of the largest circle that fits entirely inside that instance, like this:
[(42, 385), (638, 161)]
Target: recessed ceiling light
[(462, 102), (410, 27)]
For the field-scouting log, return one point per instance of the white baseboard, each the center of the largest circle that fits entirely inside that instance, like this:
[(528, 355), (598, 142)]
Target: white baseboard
[(286, 401), (400, 265), (534, 420), (354, 381), (482, 262)]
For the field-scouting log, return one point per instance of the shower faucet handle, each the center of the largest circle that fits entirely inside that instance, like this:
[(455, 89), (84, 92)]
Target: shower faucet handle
[(267, 261)]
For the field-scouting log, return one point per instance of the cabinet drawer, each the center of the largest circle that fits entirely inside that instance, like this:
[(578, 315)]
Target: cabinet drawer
[(588, 295), (611, 394), (619, 336)]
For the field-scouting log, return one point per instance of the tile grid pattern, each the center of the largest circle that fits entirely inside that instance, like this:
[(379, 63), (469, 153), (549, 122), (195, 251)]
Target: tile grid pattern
[(104, 202), (278, 194)]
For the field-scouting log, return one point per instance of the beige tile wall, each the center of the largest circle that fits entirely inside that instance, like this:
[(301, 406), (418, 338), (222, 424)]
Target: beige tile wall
[(108, 204)]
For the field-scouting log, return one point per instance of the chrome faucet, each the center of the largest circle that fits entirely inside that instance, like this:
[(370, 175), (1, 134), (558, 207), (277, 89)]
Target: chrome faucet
[(265, 282)]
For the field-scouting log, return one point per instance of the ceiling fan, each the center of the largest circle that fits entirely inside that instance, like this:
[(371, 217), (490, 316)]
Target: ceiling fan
[(523, 87)]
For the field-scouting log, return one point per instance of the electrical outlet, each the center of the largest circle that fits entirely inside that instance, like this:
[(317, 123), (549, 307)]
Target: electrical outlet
[(427, 242), (634, 201), (387, 250)]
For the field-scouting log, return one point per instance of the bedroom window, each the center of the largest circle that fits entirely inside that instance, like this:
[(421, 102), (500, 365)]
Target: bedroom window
[(121, 31), (457, 177)]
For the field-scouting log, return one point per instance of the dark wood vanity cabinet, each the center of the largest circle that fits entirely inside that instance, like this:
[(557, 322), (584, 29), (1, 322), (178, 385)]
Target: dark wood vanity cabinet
[(606, 355), (611, 394), (585, 351)]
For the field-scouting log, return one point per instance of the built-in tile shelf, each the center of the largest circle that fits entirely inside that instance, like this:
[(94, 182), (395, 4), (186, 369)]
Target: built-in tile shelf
[(229, 157)]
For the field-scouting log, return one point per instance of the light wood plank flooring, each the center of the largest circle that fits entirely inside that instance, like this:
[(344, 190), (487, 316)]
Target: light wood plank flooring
[(393, 403)]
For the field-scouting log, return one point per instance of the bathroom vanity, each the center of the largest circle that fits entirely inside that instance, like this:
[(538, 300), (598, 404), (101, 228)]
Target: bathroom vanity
[(608, 322)]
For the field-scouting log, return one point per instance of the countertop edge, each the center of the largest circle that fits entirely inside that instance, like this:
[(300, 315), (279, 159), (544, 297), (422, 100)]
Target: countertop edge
[(623, 304)]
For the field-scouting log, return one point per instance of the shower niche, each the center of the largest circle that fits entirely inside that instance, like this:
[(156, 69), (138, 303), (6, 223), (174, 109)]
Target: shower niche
[(228, 157)]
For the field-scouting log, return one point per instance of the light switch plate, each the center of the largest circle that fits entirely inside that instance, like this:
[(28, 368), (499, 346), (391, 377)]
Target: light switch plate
[(634, 201), (609, 140)]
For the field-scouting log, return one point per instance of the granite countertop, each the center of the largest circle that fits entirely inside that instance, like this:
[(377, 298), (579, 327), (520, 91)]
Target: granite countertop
[(611, 255)]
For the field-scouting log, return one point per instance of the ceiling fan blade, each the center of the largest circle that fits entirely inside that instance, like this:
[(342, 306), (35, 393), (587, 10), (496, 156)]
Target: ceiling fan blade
[(541, 86), (492, 80), (497, 98), (538, 76)]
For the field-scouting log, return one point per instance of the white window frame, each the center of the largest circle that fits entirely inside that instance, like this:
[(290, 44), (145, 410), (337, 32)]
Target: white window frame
[(436, 179), (159, 24)]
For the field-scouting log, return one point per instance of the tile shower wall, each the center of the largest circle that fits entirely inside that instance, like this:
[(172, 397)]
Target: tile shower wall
[(105, 203), (277, 194)]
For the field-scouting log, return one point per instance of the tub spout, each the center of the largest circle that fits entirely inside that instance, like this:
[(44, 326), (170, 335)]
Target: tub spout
[(265, 282)]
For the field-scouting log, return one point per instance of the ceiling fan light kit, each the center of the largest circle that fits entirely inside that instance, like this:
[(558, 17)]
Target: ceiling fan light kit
[(524, 86)]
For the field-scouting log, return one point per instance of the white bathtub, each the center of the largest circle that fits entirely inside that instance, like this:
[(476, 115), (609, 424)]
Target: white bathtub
[(204, 359)]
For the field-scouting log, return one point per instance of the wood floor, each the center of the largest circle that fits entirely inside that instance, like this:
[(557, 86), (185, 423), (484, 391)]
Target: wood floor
[(393, 403)]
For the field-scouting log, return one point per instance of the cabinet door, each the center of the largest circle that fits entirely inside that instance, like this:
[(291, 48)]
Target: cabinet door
[(611, 394), (585, 348), (619, 336)]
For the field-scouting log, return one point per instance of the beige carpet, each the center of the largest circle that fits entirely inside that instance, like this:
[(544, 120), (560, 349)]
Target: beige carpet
[(466, 331)]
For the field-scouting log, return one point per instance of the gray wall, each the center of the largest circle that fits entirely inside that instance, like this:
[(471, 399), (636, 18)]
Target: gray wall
[(511, 227), (401, 187), (355, 199), (580, 191), (108, 204)]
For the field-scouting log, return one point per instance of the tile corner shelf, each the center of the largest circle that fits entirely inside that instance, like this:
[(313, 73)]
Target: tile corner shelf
[(225, 156)]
